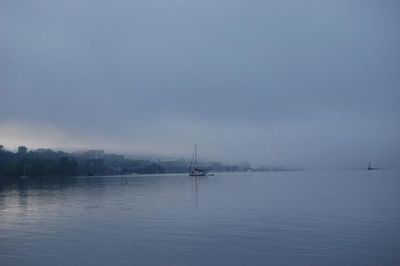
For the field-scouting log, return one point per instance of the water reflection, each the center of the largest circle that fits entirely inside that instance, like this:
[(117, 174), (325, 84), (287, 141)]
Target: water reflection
[(304, 218), (196, 192)]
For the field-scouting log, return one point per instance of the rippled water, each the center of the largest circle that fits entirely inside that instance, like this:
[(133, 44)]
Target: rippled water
[(274, 218)]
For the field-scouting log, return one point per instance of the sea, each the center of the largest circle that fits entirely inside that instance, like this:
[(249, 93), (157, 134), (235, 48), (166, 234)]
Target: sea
[(297, 218)]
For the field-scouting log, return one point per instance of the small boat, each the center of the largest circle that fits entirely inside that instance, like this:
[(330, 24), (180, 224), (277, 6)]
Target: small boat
[(197, 172), (194, 170), (370, 167)]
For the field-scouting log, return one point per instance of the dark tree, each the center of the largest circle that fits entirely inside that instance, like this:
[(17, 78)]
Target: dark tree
[(22, 150)]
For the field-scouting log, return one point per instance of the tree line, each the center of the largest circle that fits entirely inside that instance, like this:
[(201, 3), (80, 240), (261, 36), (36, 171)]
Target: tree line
[(46, 162), (36, 163)]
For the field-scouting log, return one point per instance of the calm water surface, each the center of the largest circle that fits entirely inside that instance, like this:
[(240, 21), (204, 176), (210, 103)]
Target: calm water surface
[(274, 218)]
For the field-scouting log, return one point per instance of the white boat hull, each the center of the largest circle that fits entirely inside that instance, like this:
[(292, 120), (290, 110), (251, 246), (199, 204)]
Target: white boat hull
[(197, 174)]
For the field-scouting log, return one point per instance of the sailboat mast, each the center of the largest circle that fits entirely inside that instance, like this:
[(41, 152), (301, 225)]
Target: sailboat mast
[(195, 155), (191, 162)]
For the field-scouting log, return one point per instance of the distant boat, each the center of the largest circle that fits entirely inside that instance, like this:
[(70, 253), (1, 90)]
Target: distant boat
[(194, 170), (370, 167)]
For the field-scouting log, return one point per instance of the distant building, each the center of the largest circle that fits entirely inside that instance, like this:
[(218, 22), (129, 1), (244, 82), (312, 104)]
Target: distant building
[(94, 154)]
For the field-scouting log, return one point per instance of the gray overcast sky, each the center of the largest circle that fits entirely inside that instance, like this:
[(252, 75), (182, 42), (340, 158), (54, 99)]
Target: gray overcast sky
[(295, 83)]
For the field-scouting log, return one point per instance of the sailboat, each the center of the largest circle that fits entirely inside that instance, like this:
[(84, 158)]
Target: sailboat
[(194, 170), (370, 167)]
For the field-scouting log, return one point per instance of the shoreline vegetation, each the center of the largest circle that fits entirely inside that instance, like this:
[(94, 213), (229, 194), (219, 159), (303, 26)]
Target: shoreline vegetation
[(47, 162)]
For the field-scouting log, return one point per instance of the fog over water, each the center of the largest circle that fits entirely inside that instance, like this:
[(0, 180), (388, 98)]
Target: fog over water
[(311, 84)]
